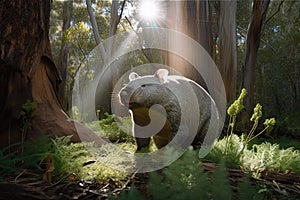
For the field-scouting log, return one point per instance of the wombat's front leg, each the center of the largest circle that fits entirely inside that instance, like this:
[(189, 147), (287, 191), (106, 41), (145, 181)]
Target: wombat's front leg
[(142, 143)]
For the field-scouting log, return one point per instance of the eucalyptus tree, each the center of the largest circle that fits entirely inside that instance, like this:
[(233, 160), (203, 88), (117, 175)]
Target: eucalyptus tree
[(28, 72)]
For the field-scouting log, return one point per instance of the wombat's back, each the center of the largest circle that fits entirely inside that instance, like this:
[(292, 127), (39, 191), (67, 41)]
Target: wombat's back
[(204, 105)]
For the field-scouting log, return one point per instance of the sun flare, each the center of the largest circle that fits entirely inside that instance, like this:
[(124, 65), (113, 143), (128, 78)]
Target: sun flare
[(148, 10)]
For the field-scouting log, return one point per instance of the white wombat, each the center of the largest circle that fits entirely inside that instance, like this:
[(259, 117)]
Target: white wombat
[(175, 94)]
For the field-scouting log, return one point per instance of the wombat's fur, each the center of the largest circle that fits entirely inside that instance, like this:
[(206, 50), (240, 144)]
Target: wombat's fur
[(142, 92)]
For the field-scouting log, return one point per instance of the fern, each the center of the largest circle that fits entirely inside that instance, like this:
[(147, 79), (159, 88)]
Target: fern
[(267, 156), (185, 179), (132, 194), (220, 186), (248, 191)]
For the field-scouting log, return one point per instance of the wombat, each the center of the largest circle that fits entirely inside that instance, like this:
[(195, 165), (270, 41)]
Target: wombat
[(175, 94)]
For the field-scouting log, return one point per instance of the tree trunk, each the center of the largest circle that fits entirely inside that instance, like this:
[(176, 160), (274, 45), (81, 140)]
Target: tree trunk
[(227, 46), (64, 53), (104, 91), (192, 18), (259, 12), (27, 72)]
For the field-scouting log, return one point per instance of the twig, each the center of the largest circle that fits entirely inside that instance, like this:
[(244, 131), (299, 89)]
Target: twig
[(146, 56), (275, 13), (129, 180), (20, 175)]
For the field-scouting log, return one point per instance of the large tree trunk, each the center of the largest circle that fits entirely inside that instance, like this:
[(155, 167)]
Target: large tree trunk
[(27, 72), (192, 18), (227, 46), (259, 12)]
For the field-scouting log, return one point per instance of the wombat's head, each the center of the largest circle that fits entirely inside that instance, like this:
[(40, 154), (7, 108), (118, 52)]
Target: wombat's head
[(145, 91)]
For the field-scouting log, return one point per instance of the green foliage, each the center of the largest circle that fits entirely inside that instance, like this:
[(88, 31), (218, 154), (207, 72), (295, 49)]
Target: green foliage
[(233, 148), (78, 34), (73, 159), (185, 179), (7, 163), (75, 113), (114, 131), (234, 144), (220, 182), (32, 156), (248, 190), (267, 156), (25, 116), (260, 157), (233, 110), (236, 107), (132, 194), (278, 61)]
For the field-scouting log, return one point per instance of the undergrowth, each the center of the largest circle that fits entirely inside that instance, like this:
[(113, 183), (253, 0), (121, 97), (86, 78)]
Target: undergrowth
[(115, 131), (69, 159), (259, 157), (77, 159), (186, 179)]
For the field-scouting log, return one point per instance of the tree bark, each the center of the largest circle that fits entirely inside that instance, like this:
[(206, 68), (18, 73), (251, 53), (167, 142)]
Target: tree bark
[(27, 72), (64, 53), (104, 91), (192, 18), (259, 12), (95, 28), (227, 46)]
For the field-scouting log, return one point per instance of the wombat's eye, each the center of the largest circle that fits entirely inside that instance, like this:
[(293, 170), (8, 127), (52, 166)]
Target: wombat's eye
[(143, 85)]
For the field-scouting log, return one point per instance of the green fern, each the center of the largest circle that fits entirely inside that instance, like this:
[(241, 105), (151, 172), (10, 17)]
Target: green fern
[(267, 156), (185, 179), (220, 187), (249, 191), (132, 194)]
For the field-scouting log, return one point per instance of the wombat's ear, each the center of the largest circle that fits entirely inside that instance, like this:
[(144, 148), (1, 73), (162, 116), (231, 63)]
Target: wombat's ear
[(162, 75), (133, 76)]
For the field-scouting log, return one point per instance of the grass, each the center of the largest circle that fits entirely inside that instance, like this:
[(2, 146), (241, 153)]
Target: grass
[(73, 159)]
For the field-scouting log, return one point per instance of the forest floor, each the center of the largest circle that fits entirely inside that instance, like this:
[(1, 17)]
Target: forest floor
[(30, 185)]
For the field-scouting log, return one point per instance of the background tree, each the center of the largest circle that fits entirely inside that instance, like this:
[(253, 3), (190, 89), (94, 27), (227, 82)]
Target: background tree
[(226, 14), (276, 84), (278, 71), (64, 51), (197, 19), (259, 11), (193, 18), (29, 73)]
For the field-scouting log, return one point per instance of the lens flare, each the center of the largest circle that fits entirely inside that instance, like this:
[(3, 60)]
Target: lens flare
[(148, 10)]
